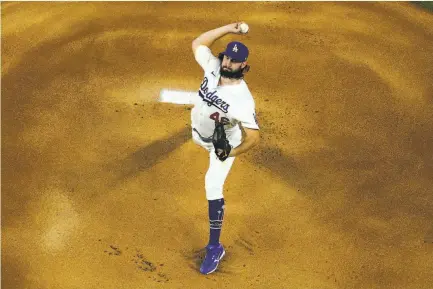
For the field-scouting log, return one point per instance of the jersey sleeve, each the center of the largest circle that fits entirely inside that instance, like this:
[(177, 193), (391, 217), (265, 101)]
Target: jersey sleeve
[(205, 58), (247, 117)]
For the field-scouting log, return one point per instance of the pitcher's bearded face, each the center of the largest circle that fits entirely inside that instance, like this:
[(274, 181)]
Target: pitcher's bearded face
[(231, 68), (231, 73)]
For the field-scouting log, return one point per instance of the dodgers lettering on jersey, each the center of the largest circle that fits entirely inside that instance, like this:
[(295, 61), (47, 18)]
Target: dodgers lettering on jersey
[(232, 104), (211, 98)]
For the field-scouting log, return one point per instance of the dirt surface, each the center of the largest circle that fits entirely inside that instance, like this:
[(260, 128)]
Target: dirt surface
[(102, 186)]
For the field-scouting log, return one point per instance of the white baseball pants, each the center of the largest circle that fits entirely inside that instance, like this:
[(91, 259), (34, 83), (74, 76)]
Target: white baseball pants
[(218, 170)]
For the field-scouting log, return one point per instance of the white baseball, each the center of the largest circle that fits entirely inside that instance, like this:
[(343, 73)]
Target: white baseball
[(244, 28)]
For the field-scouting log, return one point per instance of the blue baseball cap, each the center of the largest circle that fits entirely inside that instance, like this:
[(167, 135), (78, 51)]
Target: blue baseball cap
[(236, 51)]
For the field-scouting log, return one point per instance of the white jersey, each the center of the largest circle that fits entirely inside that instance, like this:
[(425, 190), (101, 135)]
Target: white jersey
[(230, 104)]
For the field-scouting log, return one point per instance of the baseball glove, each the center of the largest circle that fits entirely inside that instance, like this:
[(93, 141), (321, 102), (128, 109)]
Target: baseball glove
[(220, 142)]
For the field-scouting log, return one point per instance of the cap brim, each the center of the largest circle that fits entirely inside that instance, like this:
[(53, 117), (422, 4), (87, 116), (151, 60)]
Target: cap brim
[(233, 56)]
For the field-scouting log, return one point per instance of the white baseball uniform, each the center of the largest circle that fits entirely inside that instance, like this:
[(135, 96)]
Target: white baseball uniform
[(231, 104)]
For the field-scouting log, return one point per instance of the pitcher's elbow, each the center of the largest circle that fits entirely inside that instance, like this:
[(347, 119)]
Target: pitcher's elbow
[(195, 44)]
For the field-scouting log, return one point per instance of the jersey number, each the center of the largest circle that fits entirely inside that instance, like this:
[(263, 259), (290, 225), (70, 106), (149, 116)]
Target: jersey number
[(216, 117)]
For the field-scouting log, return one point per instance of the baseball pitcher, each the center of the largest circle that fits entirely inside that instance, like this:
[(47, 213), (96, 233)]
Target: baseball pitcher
[(222, 106)]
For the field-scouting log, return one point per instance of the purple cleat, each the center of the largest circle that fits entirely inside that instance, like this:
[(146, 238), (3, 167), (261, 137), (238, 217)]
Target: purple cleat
[(214, 253)]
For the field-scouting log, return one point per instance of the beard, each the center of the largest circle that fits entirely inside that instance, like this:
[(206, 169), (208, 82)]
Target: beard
[(236, 74)]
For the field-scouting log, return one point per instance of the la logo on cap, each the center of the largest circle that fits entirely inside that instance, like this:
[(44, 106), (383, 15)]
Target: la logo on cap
[(235, 48)]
